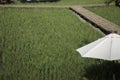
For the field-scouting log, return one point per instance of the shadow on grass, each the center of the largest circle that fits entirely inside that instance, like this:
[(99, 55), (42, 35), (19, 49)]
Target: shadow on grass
[(37, 1), (103, 71), (1, 60)]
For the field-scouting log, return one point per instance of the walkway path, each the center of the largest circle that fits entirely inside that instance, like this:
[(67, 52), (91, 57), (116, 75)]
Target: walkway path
[(52, 6), (92, 17), (97, 20), (33, 6)]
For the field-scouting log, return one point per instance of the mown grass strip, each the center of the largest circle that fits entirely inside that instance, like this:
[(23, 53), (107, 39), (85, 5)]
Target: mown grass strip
[(63, 2)]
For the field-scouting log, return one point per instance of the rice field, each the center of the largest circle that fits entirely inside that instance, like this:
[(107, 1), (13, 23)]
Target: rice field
[(110, 13), (40, 44)]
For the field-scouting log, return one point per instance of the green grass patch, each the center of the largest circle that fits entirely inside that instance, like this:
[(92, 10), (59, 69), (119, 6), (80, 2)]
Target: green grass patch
[(64, 2), (40, 44), (111, 13)]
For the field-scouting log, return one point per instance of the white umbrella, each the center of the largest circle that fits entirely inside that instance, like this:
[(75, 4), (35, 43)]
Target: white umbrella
[(106, 48)]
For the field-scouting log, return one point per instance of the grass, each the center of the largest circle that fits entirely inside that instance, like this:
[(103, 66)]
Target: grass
[(64, 2), (111, 13), (40, 44)]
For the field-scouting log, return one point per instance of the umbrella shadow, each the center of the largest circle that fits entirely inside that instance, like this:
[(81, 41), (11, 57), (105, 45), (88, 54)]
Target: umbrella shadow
[(102, 71)]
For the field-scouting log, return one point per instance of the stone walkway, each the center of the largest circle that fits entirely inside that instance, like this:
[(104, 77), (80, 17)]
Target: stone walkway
[(50, 6), (97, 20), (90, 16), (33, 6)]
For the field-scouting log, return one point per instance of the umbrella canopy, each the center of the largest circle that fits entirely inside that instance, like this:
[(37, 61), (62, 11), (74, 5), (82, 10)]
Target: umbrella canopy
[(106, 48)]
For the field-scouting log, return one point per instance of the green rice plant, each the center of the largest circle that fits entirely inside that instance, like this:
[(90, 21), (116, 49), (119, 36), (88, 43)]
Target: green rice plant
[(40, 44)]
